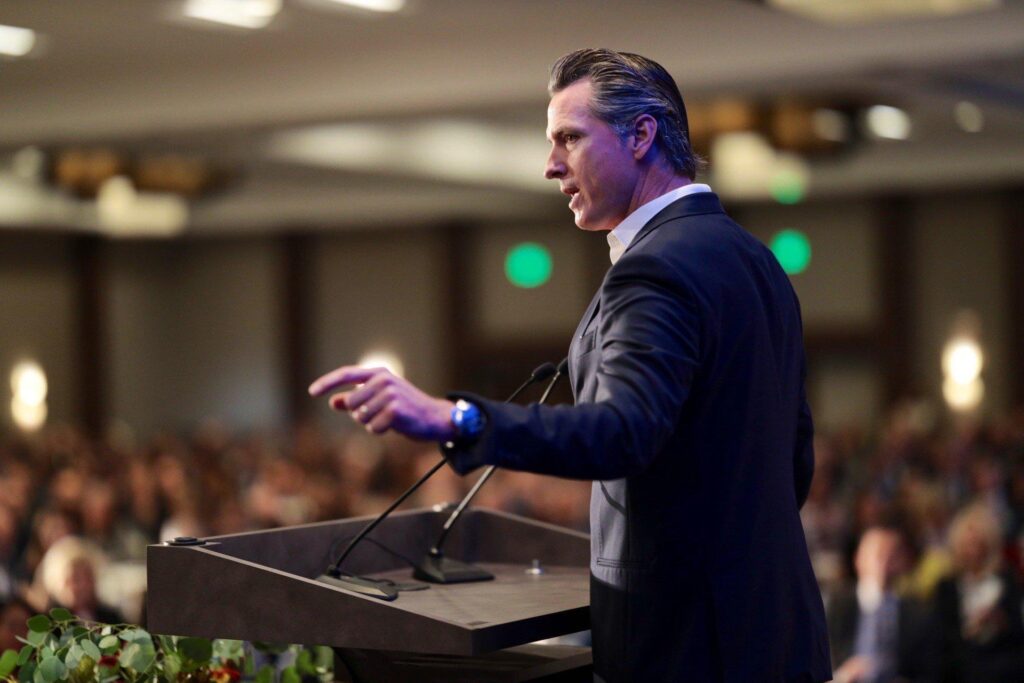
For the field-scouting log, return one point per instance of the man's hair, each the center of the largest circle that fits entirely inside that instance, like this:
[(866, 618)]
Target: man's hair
[(625, 86)]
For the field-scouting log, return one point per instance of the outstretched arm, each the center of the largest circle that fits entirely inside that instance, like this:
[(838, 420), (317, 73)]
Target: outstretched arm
[(649, 354)]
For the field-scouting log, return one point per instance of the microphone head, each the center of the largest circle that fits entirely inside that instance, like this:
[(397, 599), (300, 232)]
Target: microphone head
[(542, 372), (563, 366)]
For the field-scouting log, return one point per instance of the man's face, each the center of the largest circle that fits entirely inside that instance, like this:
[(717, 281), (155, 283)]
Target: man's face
[(592, 164)]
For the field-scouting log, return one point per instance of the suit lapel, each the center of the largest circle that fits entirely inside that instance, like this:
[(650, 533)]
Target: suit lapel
[(595, 303), (690, 205), (574, 355)]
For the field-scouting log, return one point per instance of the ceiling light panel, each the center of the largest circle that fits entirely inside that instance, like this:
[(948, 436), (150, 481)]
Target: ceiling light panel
[(373, 5), (249, 14), (16, 41), (867, 11)]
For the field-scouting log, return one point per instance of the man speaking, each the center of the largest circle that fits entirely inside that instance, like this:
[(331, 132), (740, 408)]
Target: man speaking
[(687, 370)]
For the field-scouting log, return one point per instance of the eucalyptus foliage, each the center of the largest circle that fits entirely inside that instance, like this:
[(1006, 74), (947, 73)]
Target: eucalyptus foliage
[(61, 647)]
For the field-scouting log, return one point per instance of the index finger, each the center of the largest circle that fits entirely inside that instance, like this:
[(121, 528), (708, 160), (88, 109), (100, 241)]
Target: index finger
[(348, 374)]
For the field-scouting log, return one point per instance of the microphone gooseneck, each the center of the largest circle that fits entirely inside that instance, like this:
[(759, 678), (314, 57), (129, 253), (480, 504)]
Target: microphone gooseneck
[(436, 568)]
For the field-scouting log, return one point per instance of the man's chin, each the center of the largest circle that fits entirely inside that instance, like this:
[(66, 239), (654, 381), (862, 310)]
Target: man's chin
[(583, 222)]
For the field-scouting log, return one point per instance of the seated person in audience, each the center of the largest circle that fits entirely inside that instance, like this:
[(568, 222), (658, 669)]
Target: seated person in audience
[(67, 576), (84, 603), (978, 631), (875, 632)]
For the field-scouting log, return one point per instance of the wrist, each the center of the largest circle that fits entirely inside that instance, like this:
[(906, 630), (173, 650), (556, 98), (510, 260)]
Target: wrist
[(446, 428)]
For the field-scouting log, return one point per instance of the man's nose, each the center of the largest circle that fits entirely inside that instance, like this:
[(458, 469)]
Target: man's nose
[(555, 167)]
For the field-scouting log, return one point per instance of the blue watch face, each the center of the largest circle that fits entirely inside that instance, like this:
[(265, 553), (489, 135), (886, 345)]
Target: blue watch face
[(468, 419)]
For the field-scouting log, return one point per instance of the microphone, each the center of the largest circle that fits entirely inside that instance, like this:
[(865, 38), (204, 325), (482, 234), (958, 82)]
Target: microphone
[(387, 590), (435, 567)]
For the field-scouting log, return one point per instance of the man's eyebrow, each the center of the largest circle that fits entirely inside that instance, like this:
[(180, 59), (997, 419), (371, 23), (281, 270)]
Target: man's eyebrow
[(562, 132)]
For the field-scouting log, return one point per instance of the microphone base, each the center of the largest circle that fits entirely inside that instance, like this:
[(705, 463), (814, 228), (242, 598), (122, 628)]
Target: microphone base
[(356, 584), (440, 569)]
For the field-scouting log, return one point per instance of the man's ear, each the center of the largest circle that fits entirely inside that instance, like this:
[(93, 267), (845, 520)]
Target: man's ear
[(645, 129)]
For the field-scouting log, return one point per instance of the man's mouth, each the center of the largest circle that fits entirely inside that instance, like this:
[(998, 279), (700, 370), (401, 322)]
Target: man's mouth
[(573, 193)]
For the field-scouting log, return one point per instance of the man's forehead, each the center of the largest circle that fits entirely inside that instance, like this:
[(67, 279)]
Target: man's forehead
[(570, 106)]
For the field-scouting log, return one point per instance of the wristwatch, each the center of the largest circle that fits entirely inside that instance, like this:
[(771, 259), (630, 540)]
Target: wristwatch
[(469, 422)]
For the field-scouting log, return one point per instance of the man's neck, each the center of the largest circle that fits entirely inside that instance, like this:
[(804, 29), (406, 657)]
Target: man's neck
[(657, 181)]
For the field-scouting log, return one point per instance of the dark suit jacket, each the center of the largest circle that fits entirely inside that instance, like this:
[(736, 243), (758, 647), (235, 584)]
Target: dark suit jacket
[(687, 370)]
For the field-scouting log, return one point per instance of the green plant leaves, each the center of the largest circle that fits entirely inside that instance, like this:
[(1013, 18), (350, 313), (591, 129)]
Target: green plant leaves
[(51, 669), (61, 614), (74, 656), (225, 649), (40, 623), (27, 672), (265, 674), (137, 657), (304, 663), (84, 670), (59, 648), (172, 665), (199, 650), (8, 660), (324, 658), (133, 634), (90, 649), (290, 675)]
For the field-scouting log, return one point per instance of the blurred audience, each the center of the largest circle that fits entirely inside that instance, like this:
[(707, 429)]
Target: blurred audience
[(76, 515), (979, 632), (14, 612), (916, 530), (877, 633)]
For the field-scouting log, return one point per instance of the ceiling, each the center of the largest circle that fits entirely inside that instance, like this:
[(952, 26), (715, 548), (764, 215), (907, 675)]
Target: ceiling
[(135, 77)]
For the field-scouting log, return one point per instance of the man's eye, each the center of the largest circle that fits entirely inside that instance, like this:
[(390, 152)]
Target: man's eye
[(571, 137)]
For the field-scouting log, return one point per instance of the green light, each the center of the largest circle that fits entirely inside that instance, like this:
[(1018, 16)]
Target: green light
[(788, 187), (793, 250), (528, 265)]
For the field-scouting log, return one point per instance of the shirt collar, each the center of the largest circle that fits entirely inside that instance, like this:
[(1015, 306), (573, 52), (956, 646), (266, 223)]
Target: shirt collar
[(620, 237)]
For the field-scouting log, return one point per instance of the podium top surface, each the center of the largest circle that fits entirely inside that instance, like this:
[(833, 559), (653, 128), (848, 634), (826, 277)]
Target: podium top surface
[(514, 595), (262, 586)]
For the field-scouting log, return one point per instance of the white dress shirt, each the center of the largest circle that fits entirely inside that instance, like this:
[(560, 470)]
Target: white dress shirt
[(623, 233)]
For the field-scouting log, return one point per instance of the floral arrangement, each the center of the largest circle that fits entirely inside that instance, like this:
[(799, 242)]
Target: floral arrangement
[(61, 647)]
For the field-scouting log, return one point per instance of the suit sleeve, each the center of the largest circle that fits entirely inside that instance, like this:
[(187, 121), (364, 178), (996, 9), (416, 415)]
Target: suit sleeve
[(650, 333)]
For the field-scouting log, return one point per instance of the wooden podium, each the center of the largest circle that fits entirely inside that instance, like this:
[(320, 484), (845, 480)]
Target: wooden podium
[(261, 586)]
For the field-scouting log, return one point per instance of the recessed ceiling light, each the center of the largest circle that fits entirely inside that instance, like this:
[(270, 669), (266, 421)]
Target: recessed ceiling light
[(865, 11), (124, 212), (373, 5), (969, 117), (15, 41), (890, 123), (252, 14)]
